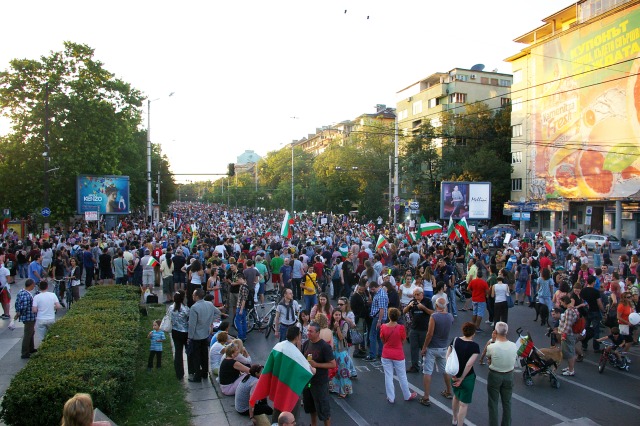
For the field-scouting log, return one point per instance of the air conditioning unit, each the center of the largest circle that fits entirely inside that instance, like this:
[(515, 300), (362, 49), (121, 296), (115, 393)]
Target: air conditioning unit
[(410, 98), (473, 76)]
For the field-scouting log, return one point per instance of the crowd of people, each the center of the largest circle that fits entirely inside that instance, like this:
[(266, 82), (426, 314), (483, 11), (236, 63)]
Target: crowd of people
[(341, 295)]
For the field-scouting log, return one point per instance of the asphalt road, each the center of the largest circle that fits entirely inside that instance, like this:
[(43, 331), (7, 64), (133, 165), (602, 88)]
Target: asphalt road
[(610, 398)]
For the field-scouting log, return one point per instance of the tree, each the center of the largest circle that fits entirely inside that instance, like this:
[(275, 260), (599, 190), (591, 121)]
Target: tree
[(93, 121)]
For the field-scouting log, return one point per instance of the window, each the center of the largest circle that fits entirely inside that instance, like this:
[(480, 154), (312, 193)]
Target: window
[(484, 80), (516, 184), (434, 102), (416, 123), (416, 108), (458, 98), (516, 130), (402, 115), (517, 76), (504, 83), (505, 101), (460, 142), (462, 77), (516, 157), (494, 81), (516, 105)]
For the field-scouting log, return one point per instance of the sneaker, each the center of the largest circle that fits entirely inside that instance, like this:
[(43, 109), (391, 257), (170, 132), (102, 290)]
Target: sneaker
[(488, 322), (413, 396), (412, 369), (565, 369), (515, 303), (568, 373), (370, 358), (479, 330), (3, 316)]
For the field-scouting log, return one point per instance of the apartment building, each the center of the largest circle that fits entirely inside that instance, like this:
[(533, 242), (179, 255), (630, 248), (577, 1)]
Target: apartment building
[(575, 123)]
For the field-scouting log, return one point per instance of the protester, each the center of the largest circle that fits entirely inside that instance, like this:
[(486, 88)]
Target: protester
[(45, 305), (78, 411), (434, 350), (24, 313), (393, 336), (502, 357), (316, 395), (179, 314), (464, 382), (200, 320)]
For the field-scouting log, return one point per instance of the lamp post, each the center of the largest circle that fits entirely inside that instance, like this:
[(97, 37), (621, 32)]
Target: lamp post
[(395, 163), (149, 196), (292, 197)]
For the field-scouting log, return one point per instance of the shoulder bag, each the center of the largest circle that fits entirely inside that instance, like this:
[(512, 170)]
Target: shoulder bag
[(165, 325), (452, 366)]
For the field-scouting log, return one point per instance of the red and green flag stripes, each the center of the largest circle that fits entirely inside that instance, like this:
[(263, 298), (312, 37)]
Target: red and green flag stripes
[(428, 228), (285, 375), (463, 230)]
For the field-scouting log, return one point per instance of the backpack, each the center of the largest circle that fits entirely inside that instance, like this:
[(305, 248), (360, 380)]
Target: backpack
[(523, 274), (336, 272)]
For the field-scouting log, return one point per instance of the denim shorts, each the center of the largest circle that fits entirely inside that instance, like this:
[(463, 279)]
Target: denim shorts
[(479, 308), (434, 356)]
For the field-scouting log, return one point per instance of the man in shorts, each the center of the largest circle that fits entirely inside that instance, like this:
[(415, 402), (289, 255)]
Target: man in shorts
[(565, 329), (434, 349), (479, 292), (315, 395)]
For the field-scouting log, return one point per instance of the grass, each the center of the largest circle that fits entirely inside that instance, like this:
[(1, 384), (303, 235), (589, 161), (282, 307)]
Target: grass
[(158, 397)]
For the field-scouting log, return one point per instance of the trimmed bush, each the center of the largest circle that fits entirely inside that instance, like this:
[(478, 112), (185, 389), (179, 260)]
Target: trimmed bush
[(92, 349)]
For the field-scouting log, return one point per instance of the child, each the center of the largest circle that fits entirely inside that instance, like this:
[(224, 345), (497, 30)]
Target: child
[(617, 339), (130, 270), (157, 337)]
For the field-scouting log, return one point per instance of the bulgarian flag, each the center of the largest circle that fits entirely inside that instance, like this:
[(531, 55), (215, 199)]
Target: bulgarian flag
[(194, 240), (286, 230), (463, 230), (152, 262), (283, 378), (381, 242), (550, 245), (268, 233), (412, 237), (428, 228), (452, 232), (343, 249)]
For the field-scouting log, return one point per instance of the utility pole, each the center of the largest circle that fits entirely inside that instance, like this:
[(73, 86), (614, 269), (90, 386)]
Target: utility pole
[(395, 176), (47, 151), (159, 187)]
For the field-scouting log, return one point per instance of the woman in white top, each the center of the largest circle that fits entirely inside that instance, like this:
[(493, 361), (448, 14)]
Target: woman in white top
[(406, 289), (427, 282), (499, 292), (47, 256)]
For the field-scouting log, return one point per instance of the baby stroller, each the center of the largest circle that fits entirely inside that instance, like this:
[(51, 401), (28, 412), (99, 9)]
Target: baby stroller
[(533, 361)]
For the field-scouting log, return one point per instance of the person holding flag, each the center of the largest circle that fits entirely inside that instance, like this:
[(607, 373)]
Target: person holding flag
[(428, 228)]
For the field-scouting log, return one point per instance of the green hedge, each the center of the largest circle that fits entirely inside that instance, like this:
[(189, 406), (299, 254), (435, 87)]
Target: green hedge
[(91, 349)]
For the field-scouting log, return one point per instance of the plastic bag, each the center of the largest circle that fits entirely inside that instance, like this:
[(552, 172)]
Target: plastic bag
[(12, 324)]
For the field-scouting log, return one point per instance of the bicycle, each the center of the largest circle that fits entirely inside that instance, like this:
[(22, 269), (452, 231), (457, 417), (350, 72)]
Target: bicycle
[(608, 355)]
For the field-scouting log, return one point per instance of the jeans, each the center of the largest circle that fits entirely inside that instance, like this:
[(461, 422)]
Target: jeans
[(391, 366), (416, 338), (375, 344), (23, 269), (309, 302), (179, 342), (499, 385), (451, 295), (295, 284), (28, 344), (241, 323), (158, 355), (593, 321)]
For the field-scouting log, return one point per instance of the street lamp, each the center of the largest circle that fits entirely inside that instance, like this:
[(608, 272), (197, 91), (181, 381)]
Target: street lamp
[(292, 197), (149, 196)]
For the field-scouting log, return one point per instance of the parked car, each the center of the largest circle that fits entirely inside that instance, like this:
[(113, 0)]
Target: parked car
[(490, 233), (591, 240)]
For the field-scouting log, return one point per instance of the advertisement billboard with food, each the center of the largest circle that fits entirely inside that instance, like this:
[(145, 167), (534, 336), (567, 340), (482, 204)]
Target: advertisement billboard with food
[(103, 194), (585, 103)]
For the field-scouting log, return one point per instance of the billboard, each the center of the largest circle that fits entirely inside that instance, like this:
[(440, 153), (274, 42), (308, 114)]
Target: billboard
[(585, 108), (102, 194), (471, 200)]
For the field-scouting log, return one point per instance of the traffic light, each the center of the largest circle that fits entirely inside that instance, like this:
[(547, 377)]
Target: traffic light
[(232, 170)]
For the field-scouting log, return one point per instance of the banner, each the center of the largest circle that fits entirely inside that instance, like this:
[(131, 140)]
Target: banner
[(471, 200), (102, 194), (585, 109)]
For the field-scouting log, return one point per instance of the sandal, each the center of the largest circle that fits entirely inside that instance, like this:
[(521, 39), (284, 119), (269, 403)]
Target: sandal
[(425, 402), (342, 396), (446, 394)]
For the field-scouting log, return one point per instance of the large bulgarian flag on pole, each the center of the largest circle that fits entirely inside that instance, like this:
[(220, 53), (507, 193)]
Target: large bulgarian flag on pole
[(286, 230), (550, 245), (463, 230), (428, 228), (283, 378)]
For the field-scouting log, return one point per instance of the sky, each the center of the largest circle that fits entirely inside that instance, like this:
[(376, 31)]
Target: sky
[(255, 74)]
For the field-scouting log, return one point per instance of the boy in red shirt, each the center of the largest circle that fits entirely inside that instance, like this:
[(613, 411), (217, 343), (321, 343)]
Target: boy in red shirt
[(479, 291)]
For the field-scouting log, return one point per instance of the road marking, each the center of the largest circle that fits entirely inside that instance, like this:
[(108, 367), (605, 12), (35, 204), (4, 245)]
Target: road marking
[(533, 404), (7, 344), (351, 412), (434, 401), (615, 370), (622, 401)]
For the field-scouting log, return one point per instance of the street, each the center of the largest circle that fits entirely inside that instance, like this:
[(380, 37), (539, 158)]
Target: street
[(607, 398)]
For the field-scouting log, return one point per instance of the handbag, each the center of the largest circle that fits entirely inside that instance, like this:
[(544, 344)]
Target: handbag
[(509, 301), (452, 366), (354, 337), (165, 325)]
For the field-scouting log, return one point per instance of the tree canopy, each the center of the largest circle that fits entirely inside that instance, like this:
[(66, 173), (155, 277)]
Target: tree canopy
[(92, 120)]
